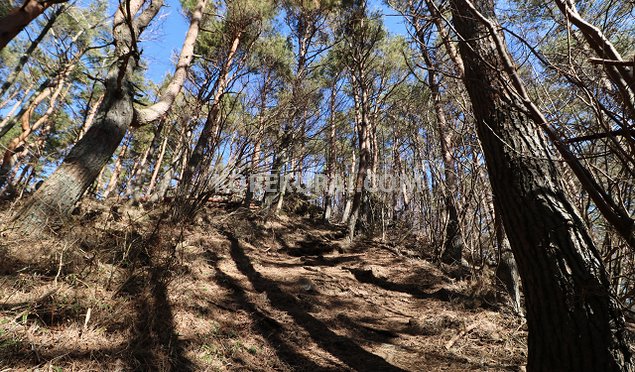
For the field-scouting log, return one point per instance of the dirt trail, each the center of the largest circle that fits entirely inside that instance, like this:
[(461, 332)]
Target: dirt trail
[(286, 295), (368, 308)]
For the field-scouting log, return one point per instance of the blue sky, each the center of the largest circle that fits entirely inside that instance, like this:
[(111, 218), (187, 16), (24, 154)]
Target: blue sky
[(164, 39)]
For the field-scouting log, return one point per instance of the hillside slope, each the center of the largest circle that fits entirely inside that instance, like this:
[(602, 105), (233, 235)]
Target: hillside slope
[(129, 291)]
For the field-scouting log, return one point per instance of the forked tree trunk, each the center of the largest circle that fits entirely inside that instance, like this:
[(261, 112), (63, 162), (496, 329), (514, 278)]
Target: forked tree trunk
[(574, 323), (56, 198)]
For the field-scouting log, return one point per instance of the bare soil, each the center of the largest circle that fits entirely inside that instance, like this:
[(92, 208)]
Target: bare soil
[(237, 291)]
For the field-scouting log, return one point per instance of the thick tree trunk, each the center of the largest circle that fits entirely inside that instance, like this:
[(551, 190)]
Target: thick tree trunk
[(574, 323), (55, 199), (365, 158)]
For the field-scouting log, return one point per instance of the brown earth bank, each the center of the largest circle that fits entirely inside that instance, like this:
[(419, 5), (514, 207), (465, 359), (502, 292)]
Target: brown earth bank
[(123, 288)]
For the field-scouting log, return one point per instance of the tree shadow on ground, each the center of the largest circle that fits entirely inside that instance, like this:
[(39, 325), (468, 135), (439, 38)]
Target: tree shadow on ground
[(341, 347), (268, 327), (156, 345)]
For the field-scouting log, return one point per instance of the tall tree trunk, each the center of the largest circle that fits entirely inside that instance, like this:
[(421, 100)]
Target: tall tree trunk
[(574, 323), (330, 159), (453, 242), (365, 157), (57, 196), (350, 189), (203, 150)]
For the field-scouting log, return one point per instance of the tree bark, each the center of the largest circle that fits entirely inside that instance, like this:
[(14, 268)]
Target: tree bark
[(574, 323), (365, 158), (330, 159), (507, 270), (350, 189)]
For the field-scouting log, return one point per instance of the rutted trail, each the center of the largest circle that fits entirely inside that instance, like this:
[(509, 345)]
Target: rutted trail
[(366, 308)]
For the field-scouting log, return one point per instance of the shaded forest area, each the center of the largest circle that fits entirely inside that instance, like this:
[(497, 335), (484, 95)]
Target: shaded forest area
[(317, 185)]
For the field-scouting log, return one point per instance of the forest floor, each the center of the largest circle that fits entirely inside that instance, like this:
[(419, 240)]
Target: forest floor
[(123, 289)]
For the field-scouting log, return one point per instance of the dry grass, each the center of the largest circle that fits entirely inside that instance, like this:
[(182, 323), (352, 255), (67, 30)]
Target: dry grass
[(236, 291)]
